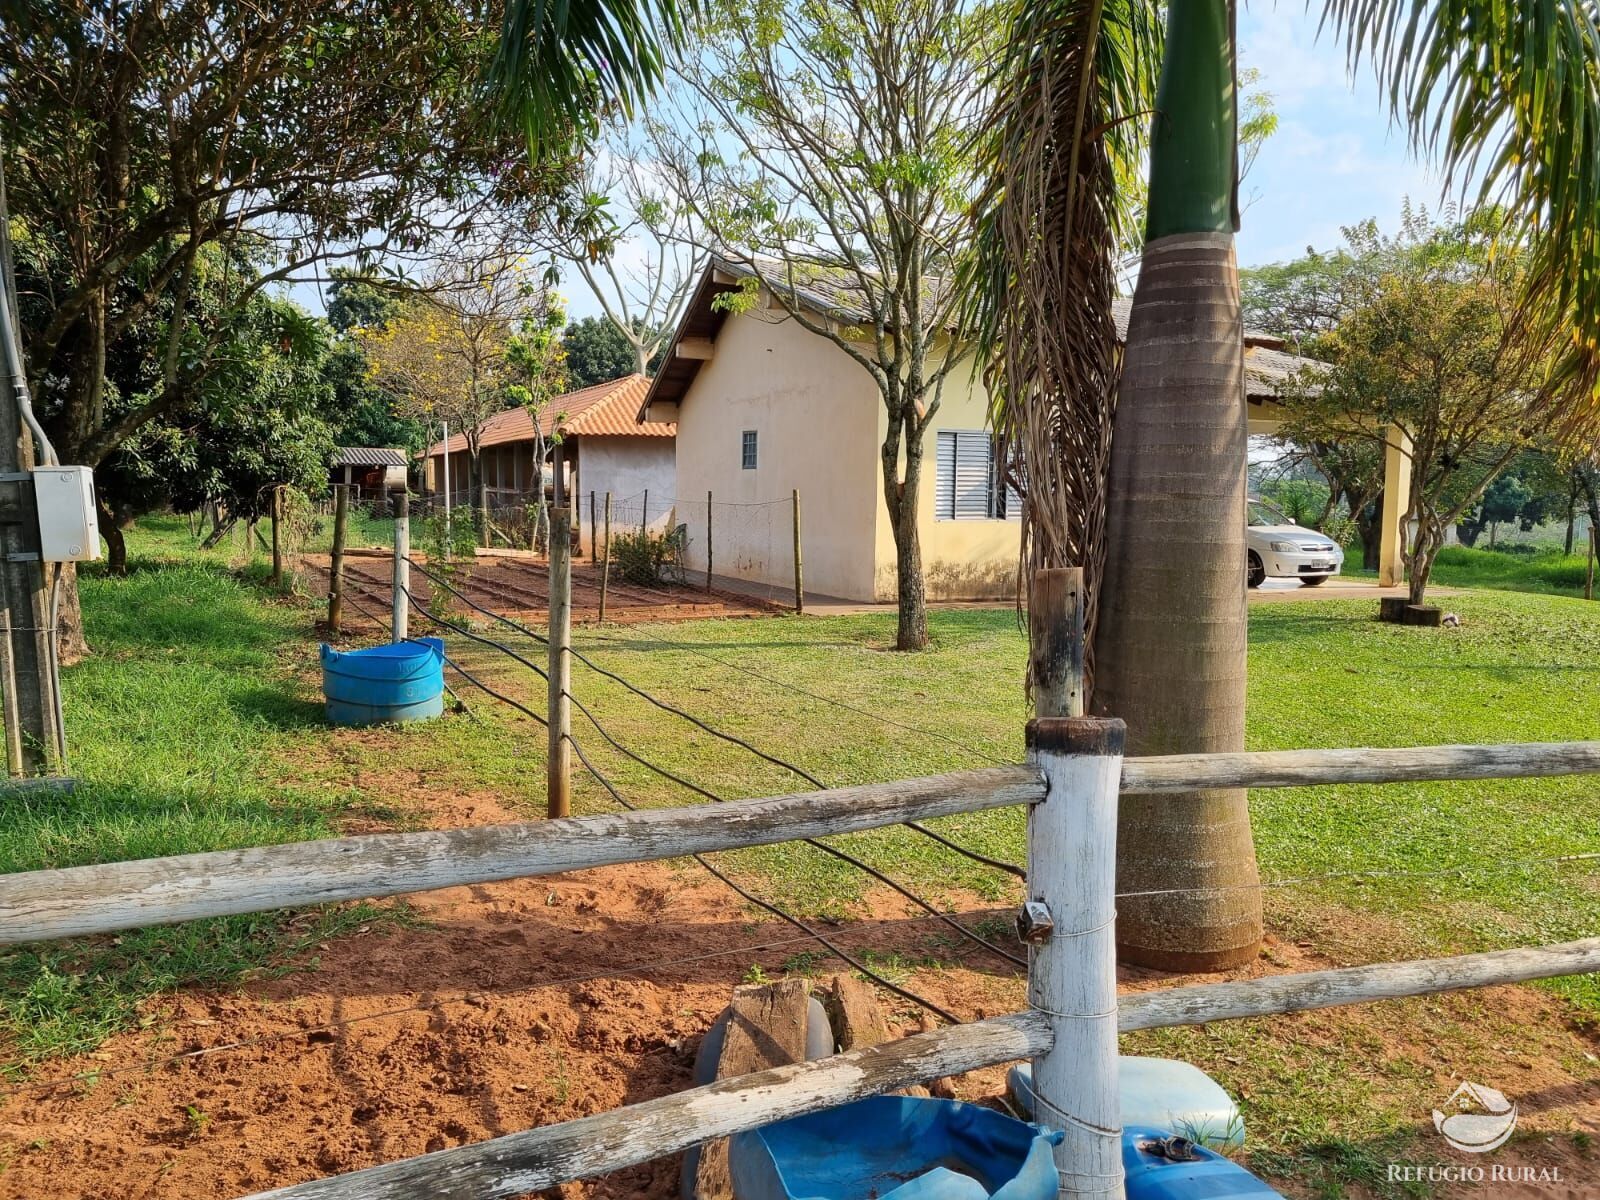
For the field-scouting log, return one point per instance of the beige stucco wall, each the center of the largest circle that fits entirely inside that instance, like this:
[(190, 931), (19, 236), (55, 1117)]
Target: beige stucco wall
[(815, 414), (961, 560), (628, 468)]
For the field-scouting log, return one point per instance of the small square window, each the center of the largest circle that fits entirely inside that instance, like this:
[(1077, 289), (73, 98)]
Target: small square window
[(747, 450)]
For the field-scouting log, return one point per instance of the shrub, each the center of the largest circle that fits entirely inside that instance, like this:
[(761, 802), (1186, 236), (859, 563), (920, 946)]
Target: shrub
[(646, 558)]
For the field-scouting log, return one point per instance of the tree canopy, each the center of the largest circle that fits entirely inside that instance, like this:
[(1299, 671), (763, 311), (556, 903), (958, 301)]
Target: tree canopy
[(141, 136)]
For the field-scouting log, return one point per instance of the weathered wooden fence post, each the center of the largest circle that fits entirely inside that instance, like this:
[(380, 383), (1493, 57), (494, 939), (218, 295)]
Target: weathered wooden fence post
[(341, 516), (605, 563), (486, 530), (558, 772), (799, 582), (644, 514), (1072, 842), (1056, 611), (708, 540), (594, 530), (400, 586), (277, 540)]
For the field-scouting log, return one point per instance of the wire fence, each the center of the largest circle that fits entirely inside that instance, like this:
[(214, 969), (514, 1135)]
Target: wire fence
[(748, 547), (473, 622)]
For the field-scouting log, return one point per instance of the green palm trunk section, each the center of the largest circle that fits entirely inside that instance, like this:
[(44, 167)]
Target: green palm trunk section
[(1194, 138), (1170, 641)]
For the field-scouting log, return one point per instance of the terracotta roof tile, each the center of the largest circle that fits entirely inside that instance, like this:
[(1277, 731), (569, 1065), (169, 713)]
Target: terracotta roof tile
[(601, 410)]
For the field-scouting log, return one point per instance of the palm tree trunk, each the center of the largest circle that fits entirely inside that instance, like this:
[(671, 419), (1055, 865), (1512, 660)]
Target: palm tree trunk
[(1170, 648)]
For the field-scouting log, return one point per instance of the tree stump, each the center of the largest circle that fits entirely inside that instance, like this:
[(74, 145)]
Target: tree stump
[(768, 1029)]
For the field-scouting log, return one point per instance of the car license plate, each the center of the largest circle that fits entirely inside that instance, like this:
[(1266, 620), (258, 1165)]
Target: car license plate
[(1321, 565)]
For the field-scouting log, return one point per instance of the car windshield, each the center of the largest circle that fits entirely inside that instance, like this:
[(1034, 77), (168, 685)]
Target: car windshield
[(1262, 513)]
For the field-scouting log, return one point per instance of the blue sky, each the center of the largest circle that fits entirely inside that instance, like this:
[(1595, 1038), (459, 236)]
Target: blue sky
[(1335, 159)]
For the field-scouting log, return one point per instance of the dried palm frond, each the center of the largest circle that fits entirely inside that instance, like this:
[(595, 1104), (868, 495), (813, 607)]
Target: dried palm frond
[(1073, 98)]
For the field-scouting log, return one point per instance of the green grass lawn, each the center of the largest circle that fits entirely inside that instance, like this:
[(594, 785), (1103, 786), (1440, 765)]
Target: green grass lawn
[(195, 725)]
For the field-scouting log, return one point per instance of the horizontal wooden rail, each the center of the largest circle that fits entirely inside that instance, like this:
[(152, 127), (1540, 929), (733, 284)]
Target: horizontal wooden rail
[(540, 1158), (1351, 985), (1409, 764), (37, 905)]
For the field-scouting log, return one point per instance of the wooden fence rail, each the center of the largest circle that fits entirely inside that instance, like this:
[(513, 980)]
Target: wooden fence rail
[(39, 905), (540, 1158)]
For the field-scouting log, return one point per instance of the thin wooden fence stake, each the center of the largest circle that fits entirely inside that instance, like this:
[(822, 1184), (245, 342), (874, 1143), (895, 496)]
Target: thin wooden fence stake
[(341, 515), (400, 609), (1070, 915), (799, 582), (558, 773), (708, 540), (277, 541), (644, 514), (486, 531), (594, 530), (605, 563)]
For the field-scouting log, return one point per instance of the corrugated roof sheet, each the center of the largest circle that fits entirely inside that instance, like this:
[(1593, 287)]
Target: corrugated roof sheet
[(612, 403), (368, 456)]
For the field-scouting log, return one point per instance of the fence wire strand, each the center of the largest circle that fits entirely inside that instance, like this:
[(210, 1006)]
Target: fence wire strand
[(731, 739)]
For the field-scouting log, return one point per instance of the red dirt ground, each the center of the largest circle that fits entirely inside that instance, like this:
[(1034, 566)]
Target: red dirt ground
[(519, 586)]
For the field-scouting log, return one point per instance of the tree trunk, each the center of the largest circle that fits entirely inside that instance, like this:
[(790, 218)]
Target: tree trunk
[(911, 597), (71, 643), (911, 633), (1170, 648), (116, 548), (1368, 524)]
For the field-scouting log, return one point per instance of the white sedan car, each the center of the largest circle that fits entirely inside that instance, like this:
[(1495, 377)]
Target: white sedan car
[(1280, 549)]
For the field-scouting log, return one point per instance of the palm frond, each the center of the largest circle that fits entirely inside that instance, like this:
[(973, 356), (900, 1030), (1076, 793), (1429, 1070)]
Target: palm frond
[(1073, 98), (562, 64), (1505, 94)]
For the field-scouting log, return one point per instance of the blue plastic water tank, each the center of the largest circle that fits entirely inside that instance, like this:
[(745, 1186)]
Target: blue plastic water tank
[(895, 1148), (1152, 1175), (399, 682)]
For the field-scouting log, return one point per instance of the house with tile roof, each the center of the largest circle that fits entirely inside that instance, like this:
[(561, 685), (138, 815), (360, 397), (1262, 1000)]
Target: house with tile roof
[(765, 408), (605, 448)]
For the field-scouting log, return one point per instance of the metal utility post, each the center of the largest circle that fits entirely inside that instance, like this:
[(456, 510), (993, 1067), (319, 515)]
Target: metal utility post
[(605, 563), (445, 445), (558, 767), (799, 581), (341, 516), (1069, 919), (400, 610)]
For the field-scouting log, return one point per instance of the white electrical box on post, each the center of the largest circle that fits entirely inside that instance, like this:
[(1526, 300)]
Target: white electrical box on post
[(69, 527)]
